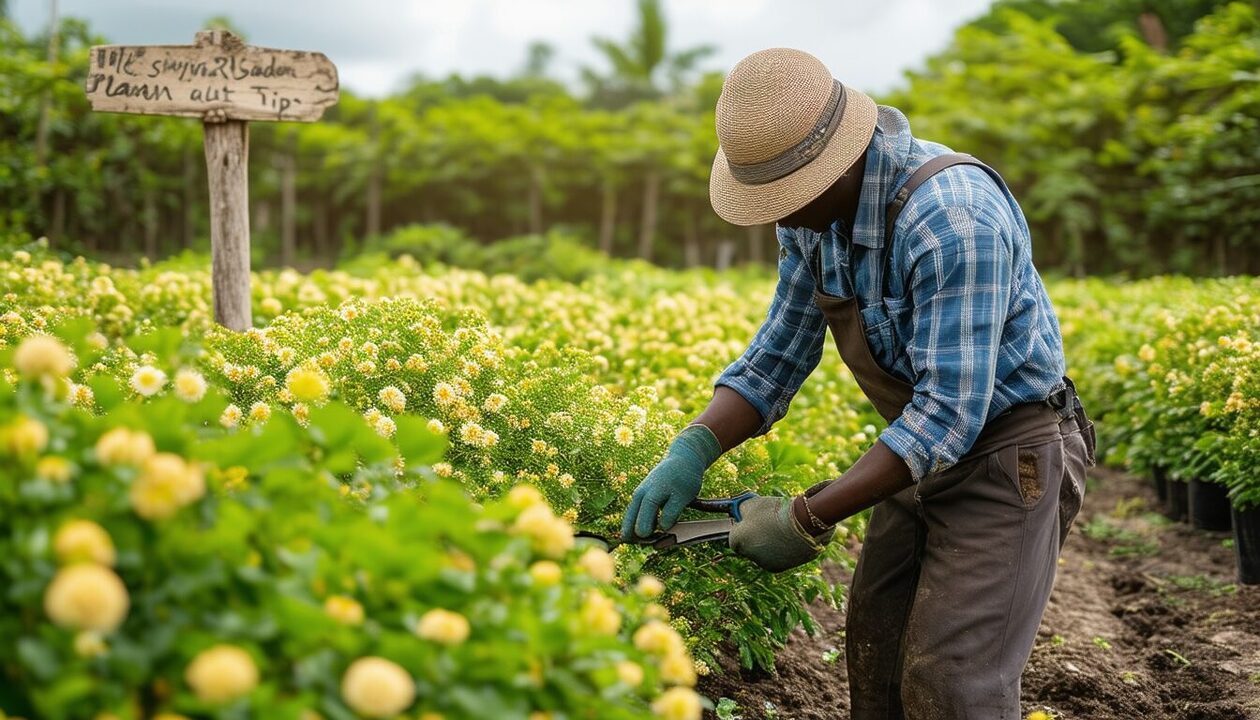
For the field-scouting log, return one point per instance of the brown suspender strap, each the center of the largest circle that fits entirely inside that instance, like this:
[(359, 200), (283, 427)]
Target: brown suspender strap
[(921, 175)]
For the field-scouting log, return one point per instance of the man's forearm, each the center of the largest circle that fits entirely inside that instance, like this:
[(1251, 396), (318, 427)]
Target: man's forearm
[(880, 473), (731, 418)]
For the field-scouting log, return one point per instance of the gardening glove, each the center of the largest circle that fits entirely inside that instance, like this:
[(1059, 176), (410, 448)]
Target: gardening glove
[(672, 484), (769, 535)]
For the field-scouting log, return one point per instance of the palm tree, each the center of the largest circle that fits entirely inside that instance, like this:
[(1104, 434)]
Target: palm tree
[(637, 63)]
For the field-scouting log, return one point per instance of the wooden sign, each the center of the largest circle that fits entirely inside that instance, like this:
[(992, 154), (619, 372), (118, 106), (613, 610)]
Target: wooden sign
[(241, 81), (225, 83)]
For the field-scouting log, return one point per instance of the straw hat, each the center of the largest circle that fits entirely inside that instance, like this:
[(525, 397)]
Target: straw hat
[(787, 130)]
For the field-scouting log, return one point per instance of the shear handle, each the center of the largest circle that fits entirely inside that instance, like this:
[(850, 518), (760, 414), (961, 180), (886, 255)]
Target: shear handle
[(722, 506)]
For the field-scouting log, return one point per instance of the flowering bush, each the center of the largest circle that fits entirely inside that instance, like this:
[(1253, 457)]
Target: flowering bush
[(156, 562), (576, 389), (1171, 366)]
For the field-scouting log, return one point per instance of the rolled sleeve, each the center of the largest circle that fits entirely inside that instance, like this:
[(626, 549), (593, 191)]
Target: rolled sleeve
[(787, 347), (960, 281)]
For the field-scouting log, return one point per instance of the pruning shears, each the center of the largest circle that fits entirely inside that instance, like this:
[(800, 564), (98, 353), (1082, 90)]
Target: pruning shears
[(688, 532)]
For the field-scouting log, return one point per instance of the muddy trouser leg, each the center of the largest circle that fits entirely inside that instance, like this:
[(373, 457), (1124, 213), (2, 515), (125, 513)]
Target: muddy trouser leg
[(879, 605), (994, 530)]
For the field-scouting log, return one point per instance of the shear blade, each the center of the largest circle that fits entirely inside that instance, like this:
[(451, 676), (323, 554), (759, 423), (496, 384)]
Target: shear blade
[(692, 532)]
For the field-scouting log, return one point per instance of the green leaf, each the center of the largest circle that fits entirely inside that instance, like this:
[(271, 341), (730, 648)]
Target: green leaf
[(417, 443)]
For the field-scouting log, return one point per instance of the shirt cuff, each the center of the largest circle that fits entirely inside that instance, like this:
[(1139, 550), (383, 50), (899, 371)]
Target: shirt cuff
[(909, 447), (756, 390)]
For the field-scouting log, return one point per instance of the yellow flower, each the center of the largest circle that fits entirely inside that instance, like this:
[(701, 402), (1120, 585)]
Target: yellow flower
[(658, 638), (649, 587), (470, 433), (1146, 353), (623, 435), (230, 417), (122, 446), (301, 413), (677, 669), (599, 614), (495, 402), (165, 485), (147, 380), (1039, 715), (377, 688), (86, 597), (656, 611), (53, 469), (82, 395), (444, 394), (345, 610), (25, 436), (545, 573), (436, 426), (221, 673), (443, 626), (43, 356), (270, 306), (89, 644), (549, 535), (524, 496), (307, 384), (83, 541), (190, 386), (365, 367), (392, 398), (384, 426), (630, 673), (598, 564), (678, 703), (97, 341), (259, 412)]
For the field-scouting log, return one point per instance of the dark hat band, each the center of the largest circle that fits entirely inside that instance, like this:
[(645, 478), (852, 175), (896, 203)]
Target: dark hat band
[(798, 155)]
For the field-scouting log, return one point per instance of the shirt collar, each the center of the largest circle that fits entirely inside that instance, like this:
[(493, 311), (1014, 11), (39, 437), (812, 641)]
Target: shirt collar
[(886, 160)]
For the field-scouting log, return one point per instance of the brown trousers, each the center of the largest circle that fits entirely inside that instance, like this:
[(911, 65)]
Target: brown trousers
[(955, 573)]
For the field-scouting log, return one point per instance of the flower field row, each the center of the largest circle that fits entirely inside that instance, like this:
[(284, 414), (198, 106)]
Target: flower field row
[(566, 413)]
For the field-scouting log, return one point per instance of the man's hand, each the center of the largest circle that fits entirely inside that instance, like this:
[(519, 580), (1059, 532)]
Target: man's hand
[(673, 483), (770, 536)]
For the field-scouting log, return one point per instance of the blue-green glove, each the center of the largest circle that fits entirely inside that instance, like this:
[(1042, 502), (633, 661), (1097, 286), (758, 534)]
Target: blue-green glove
[(674, 482)]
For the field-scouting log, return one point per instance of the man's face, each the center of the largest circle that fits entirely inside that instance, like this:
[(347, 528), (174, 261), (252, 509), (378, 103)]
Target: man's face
[(818, 215), (839, 200)]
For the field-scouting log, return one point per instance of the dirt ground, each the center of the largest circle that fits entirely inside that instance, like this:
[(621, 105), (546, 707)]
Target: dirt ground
[(1145, 621)]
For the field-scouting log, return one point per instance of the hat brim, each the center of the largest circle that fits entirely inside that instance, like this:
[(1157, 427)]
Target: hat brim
[(742, 204)]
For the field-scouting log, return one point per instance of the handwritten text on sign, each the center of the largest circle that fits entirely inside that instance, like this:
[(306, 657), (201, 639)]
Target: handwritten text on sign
[(239, 82)]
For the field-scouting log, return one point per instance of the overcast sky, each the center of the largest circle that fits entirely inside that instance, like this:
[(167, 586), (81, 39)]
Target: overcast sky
[(377, 43)]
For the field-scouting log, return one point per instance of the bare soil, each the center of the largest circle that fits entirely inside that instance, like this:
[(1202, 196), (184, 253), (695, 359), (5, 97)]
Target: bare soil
[(1145, 621)]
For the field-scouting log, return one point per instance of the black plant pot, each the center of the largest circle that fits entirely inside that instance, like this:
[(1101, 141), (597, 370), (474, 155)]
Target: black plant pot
[(1209, 506), (1177, 507), (1159, 478), (1247, 544)]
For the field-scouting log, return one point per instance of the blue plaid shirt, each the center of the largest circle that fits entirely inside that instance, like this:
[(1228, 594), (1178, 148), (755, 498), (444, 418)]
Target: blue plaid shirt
[(966, 319)]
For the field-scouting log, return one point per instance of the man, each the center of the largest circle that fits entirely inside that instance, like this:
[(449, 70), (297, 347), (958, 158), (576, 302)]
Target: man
[(923, 272)]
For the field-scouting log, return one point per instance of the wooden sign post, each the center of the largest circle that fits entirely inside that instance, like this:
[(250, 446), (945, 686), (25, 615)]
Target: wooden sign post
[(225, 83)]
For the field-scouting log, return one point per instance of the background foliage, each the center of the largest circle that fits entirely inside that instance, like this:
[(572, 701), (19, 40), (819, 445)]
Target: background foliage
[(1126, 128)]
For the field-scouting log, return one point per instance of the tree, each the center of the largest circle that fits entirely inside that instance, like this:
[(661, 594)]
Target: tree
[(636, 64)]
